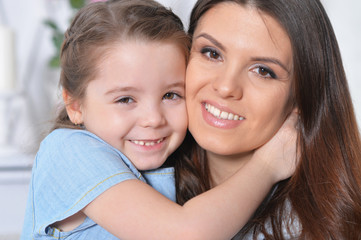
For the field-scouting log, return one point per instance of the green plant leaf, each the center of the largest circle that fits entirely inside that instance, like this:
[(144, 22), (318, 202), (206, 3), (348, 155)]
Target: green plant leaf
[(51, 24), (77, 4), (58, 39), (54, 62), (57, 36)]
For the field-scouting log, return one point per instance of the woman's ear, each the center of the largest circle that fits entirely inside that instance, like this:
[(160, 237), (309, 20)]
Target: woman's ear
[(73, 108)]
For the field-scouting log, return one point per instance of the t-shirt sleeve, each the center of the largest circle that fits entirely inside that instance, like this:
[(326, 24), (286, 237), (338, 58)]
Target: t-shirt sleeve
[(162, 180), (70, 172)]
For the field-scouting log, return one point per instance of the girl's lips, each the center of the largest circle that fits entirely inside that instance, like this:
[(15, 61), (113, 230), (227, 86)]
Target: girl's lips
[(220, 118)]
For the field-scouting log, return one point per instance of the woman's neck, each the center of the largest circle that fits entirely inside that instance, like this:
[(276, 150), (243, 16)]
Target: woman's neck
[(223, 167)]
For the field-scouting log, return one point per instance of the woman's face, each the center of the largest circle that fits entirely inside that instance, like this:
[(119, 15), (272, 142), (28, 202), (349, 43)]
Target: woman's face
[(238, 81)]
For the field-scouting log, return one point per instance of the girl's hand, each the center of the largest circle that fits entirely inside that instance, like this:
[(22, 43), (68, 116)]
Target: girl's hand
[(279, 155)]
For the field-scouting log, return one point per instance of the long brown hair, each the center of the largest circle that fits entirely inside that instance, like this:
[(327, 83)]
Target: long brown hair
[(98, 27), (324, 195)]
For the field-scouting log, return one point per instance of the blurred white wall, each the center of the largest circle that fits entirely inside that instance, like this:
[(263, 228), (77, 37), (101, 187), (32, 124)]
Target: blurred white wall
[(35, 104), (346, 19)]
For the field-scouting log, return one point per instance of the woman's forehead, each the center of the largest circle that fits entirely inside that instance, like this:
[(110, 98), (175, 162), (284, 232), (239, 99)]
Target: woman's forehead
[(245, 27)]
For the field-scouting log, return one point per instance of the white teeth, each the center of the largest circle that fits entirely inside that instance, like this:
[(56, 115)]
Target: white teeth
[(222, 114), (147, 143), (138, 142), (216, 112)]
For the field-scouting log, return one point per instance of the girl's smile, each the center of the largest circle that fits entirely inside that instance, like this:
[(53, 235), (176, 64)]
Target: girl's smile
[(147, 142), (136, 103)]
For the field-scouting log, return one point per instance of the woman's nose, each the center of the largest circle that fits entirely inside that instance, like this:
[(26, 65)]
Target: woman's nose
[(229, 84), (152, 116)]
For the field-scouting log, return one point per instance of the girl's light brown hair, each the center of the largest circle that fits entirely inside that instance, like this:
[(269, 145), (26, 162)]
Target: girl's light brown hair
[(98, 27)]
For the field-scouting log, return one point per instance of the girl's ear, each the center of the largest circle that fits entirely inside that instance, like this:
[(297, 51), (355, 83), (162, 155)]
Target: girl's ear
[(73, 108)]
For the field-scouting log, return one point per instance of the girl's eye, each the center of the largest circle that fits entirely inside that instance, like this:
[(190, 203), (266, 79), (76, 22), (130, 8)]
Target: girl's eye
[(171, 96), (125, 100), (265, 72), (211, 53)]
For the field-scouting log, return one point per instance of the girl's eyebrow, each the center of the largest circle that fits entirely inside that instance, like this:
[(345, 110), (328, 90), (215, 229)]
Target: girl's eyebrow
[(134, 89), (271, 60), (176, 84), (120, 89), (211, 39)]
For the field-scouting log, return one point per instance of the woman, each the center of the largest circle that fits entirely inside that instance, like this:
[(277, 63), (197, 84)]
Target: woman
[(261, 59)]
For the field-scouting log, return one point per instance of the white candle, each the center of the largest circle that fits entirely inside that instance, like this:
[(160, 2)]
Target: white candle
[(7, 59)]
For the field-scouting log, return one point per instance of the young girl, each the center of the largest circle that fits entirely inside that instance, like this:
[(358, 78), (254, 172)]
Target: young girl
[(123, 67)]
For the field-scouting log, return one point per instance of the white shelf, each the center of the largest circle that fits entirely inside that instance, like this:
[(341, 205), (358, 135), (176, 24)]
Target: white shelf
[(15, 166), (15, 174)]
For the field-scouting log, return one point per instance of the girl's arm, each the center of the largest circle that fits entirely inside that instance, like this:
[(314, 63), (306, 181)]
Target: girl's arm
[(134, 210)]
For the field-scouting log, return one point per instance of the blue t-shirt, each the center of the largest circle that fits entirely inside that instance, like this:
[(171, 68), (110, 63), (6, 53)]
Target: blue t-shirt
[(72, 168)]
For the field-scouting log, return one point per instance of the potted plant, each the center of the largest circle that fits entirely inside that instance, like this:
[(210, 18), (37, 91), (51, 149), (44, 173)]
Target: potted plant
[(58, 33)]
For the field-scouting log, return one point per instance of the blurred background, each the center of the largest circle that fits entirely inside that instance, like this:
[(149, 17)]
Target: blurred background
[(30, 32)]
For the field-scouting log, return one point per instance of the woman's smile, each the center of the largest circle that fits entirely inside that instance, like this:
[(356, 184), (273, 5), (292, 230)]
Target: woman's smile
[(238, 89), (218, 113), (220, 117)]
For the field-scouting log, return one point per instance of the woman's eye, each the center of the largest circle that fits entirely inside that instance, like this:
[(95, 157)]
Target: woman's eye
[(211, 53), (125, 100), (171, 96), (265, 72)]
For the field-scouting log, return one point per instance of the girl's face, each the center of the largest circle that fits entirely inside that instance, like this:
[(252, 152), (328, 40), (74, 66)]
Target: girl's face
[(238, 80), (136, 103)]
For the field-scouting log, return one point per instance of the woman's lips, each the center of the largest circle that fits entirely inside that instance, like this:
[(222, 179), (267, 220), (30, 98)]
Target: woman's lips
[(220, 118), (221, 114)]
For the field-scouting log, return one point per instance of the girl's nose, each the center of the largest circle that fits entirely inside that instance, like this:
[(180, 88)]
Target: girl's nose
[(152, 117)]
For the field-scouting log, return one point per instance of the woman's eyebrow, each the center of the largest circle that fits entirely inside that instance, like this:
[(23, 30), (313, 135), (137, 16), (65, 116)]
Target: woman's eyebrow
[(211, 39)]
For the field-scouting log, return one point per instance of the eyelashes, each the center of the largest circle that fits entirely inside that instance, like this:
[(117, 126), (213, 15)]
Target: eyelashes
[(125, 100), (261, 70), (169, 96), (172, 96), (264, 71), (211, 53)]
